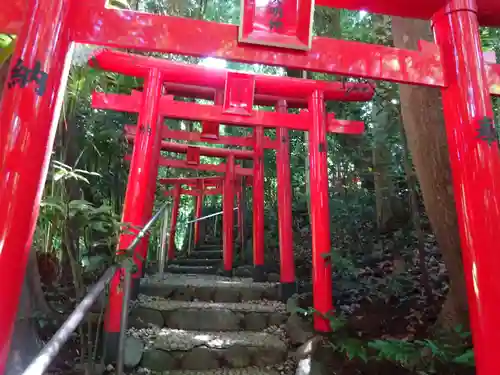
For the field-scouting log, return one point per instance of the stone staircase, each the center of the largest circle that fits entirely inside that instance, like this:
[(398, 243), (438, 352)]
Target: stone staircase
[(206, 259), (193, 322)]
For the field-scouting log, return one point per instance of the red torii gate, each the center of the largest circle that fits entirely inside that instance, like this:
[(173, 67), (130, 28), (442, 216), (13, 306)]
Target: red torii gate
[(229, 194), (214, 114), (239, 90), (173, 109), (224, 79), (193, 154), (455, 64), (200, 187)]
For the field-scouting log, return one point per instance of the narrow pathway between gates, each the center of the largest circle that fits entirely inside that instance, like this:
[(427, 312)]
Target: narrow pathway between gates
[(193, 321)]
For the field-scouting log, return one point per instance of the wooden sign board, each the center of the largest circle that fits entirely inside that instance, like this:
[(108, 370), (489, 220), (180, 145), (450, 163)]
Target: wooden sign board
[(277, 23), (209, 130), (193, 155), (239, 94)]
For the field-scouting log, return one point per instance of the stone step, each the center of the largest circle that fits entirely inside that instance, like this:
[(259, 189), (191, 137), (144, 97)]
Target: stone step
[(225, 371), (208, 288), (211, 316), (211, 246), (206, 254), (196, 262), (173, 349), (176, 268)]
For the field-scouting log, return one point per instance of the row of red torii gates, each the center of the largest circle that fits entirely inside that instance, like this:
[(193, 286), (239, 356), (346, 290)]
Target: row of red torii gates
[(235, 92), (274, 33)]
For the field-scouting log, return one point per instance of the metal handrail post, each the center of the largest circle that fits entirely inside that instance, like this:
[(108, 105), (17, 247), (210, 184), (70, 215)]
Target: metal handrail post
[(215, 226), (162, 254), (49, 352), (124, 321), (190, 237), (42, 361)]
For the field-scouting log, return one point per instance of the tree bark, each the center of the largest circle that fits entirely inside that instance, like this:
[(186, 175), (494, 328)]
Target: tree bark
[(424, 126), (389, 207), (387, 204)]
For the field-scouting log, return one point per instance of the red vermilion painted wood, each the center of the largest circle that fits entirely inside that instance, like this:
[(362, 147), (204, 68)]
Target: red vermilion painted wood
[(218, 168), (475, 166), (207, 181), (28, 123), (184, 135), (198, 75), (258, 198), (138, 203), (286, 24), (488, 10), (127, 29), (200, 112), (209, 93), (194, 193), (287, 263), (228, 215), (198, 212), (206, 151), (320, 214)]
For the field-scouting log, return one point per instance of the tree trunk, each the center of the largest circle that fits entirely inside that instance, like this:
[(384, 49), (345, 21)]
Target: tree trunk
[(386, 201), (424, 126), (388, 207)]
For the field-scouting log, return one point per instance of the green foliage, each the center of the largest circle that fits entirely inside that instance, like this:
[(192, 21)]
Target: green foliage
[(352, 348), (57, 210), (6, 40), (416, 355)]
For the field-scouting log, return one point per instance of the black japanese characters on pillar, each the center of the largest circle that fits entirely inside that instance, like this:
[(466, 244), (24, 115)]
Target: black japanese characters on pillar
[(487, 131), (356, 88), (276, 10), (21, 76), (145, 129)]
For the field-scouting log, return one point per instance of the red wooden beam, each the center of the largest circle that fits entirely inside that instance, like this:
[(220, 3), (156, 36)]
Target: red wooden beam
[(11, 17), (125, 29), (195, 193), (182, 164), (193, 181), (488, 10), (200, 112), (208, 93), (140, 31), (220, 168), (199, 75), (184, 135), (205, 151)]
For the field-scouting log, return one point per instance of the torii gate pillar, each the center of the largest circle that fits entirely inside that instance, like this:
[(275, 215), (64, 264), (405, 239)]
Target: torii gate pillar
[(138, 203), (258, 205), (228, 216), (29, 115), (320, 214), (475, 166)]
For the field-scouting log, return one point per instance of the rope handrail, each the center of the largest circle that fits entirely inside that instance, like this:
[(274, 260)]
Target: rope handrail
[(190, 229), (42, 361), (208, 216)]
